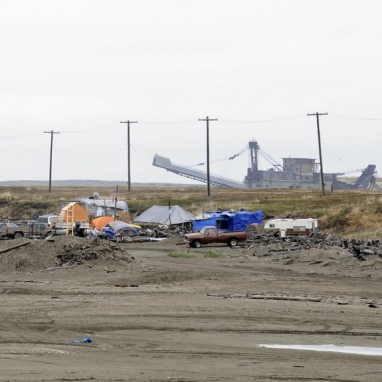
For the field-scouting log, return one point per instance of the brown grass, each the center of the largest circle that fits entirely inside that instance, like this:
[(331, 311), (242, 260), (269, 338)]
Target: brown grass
[(345, 213)]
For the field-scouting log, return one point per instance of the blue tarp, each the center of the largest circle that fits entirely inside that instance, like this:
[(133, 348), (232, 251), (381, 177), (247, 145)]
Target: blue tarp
[(229, 221), (199, 224), (242, 219)]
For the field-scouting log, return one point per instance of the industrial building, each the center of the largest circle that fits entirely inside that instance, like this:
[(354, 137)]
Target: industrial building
[(294, 173)]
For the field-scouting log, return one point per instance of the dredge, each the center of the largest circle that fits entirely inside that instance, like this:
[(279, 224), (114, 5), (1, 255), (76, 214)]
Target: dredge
[(294, 173)]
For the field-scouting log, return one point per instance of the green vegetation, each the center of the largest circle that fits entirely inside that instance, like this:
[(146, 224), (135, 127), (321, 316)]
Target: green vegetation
[(355, 214), (212, 254), (185, 255)]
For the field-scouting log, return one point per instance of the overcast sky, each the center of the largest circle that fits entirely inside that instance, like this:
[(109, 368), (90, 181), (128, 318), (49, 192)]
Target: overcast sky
[(258, 66)]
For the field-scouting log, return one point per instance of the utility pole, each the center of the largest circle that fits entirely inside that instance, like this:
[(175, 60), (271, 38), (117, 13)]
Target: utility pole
[(319, 148), (208, 153), (51, 151), (128, 153)]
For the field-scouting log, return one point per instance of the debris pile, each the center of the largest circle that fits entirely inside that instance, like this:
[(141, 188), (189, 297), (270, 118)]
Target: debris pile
[(360, 249), (363, 248), (255, 231), (78, 253), (163, 230)]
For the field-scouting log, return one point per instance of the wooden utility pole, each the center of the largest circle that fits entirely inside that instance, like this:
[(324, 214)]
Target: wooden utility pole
[(51, 154), (208, 153), (319, 148), (128, 153)]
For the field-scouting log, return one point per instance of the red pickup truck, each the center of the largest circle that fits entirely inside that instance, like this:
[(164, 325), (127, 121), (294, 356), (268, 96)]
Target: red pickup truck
[(210, 235)]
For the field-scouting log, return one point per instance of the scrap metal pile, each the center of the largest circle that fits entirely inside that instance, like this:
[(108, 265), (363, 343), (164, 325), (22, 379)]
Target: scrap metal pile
[(361, 249)]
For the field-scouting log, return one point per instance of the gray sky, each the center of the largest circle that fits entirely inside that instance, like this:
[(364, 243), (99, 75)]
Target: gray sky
[(258, 66)]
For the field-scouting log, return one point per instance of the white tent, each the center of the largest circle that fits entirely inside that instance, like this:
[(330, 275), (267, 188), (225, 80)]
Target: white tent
[(165, 215)]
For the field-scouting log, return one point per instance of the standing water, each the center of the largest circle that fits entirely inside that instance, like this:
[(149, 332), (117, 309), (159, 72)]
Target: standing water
[(331, 348)]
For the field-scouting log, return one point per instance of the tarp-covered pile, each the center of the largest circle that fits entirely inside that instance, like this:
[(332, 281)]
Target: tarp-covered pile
[(165, 215), (123, 229), (228, 220)]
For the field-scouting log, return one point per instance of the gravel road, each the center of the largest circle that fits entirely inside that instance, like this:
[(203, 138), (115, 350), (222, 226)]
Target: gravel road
[(152, 317)]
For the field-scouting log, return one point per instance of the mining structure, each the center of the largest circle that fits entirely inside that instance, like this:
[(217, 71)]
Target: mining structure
[(294, 173)]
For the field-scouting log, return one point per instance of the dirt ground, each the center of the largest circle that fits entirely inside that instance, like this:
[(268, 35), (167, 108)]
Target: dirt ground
[(152, 317)]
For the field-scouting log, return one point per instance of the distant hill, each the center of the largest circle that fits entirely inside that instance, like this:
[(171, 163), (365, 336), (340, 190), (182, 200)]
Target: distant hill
[(88, 183), (121, 183)]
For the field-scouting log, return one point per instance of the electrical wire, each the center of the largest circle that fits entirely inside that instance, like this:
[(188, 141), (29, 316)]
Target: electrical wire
[(330, 115), (110, 161), (166, 123), (298, 116), (20, 136), (63, 161), (222, 159), (104, 128)]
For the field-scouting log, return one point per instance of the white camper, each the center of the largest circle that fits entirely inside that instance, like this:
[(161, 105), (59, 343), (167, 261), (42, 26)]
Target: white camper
[(291, 227)]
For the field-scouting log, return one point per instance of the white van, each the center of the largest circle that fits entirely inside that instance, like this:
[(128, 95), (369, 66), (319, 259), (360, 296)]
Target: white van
[(49, 222)]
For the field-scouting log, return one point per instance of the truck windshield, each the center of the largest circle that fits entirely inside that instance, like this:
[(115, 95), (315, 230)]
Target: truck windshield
[(208, 231)]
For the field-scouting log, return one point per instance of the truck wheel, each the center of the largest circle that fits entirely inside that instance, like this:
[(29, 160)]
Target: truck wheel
[(197, 244), (18, 235), (232, 242)]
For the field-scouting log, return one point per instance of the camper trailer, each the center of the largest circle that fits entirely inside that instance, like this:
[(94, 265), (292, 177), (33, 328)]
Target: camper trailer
[(291, 227)]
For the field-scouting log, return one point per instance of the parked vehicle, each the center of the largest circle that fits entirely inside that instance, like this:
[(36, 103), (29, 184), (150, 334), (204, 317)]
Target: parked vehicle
[(49, 223), (30, 222), (10, 231), (210, 234), (292, 227)]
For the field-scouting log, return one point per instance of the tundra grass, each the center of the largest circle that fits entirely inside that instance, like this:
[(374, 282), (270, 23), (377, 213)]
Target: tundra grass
[(184, 255), (343, 213), (213, 255)]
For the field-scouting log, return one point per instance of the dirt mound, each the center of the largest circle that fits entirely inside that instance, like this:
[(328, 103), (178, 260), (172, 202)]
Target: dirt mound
[(85, 251), (372, 263), (34, 255), (330, 263)]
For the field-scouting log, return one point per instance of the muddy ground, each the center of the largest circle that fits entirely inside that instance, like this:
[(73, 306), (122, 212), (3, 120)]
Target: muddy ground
[(152, 317)]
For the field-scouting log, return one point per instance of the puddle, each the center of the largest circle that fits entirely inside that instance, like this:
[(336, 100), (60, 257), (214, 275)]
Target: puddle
[(331, 348)]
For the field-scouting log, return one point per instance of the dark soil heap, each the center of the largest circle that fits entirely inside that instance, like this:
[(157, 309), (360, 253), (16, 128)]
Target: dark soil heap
[(79, 253), (39, 254)]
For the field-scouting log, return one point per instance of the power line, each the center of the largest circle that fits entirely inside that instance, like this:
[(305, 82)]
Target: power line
[(165, 123), (207, 119), (355, 118), (19, 136), (111, 160), (265, 120), (319, 148), (84, 130), (63, 160), (128, 153), (51, 151)]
